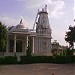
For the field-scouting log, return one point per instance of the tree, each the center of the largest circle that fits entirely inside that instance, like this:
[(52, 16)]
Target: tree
[(3, 37), (70, 36)]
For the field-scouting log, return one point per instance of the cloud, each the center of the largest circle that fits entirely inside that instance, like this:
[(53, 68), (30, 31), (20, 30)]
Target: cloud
[(8, 21), (60, 39), (20, 0), (39, 3), (74, 9), (26, 22), (58, 9), (55, 7)]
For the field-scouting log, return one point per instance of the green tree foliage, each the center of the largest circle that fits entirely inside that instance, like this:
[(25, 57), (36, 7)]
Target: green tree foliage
[(3, 37), (70, 36)]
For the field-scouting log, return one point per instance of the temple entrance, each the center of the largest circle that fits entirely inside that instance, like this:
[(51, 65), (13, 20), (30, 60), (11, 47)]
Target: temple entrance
[(11, 45), (19, 44)]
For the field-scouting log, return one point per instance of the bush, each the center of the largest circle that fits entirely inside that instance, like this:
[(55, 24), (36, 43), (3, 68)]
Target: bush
[(47, 59), (62, 59), (38, 59), (1, 60), (73, 59), (24, 60), (8, 60)]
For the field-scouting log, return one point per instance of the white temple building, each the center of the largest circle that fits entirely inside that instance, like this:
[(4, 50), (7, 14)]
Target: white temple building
[(38, 40)]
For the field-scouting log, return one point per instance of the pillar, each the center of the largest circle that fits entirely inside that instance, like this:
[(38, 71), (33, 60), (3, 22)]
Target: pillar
[(27, 41), (15, 43), (23, 47), (33, 45), (25, 44)]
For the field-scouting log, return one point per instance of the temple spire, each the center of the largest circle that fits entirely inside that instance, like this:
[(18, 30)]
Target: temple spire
[(45, 8), (21, 21)]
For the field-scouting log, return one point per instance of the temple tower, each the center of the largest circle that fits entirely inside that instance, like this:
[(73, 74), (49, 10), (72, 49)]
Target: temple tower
[(43, 33)]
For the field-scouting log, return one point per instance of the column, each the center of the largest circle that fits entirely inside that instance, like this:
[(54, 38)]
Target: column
[(25, 44), (7, 46), (23, 47), (33, 45), (15, 43), (27, 41)]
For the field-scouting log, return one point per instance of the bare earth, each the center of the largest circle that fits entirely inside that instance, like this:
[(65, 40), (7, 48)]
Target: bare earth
[(38, 69)]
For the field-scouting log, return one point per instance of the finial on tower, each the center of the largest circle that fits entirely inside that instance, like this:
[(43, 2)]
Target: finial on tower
[(42, 9), (45, 8), (38, 10), (74, 20), (21, 21)]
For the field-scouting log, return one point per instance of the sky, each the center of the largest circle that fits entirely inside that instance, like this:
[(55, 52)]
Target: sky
[(60, 13)]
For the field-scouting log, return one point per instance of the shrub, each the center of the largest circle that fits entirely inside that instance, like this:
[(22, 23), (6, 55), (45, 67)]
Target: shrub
[(10, 60), (36, 59), (1, 60), (47, 59), (73, 59)]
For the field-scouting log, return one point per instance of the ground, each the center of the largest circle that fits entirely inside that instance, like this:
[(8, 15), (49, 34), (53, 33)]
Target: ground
[(38, 69)]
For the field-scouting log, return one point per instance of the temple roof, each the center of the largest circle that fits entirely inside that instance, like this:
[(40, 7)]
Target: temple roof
[(20, 27)]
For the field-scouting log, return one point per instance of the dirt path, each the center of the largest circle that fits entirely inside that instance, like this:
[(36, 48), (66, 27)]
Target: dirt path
[(38, 69)]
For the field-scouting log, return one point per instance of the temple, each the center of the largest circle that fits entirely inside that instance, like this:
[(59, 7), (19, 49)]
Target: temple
[(39, 41)]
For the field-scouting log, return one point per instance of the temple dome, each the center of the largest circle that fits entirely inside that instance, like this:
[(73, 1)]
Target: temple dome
[(20, 27)]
